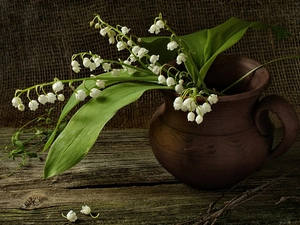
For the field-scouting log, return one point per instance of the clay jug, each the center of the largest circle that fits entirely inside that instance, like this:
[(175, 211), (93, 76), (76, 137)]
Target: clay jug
[(234, 140)]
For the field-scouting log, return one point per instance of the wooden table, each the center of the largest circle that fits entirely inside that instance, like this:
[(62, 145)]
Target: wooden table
[(121, 180)]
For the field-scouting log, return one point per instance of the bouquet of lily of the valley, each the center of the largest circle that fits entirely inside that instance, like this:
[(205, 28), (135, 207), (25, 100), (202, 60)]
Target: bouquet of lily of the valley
[(123, 81)]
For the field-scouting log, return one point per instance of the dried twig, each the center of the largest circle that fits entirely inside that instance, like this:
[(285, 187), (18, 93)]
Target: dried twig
[(283, 199), (212, 216)]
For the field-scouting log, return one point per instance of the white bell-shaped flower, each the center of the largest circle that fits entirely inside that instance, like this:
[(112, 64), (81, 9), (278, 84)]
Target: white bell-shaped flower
[(33, 105), (100, 83), (16, 101), (179, 87), (71, 216), (125, 30), (86, 210), (170, 81), (156, 69), (172, 45), (51, 97), (98, 61), (177, 104), (135, 50), (106, 67), (160, 24), (80, 95), (191, 116), (180, 58), (121, 45), (199, 119), (205, 108), (154, 58), (61, 97), (154, 29), (57, 86), (95, 92), (161, 79), (142, 52), (212, 99), (86, 62), (43, 99)]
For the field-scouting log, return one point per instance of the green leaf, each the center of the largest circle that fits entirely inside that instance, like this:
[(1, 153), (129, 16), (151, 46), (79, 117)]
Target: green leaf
[(158, 46), (74, 142), (204, 46), (207, 44), (110, 80)]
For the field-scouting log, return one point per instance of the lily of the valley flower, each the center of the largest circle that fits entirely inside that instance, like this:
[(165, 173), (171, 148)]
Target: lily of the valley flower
[(179, 87), (172, 45), (33, 105), (57, 86), (205, 108), (199, 119), (16, 101), (100, 83), (161, 79), (155, 28), (95, 92), (21, 107), (191, 116), (170, 81), (155, 69), (115, 72), (80, 95), (177, 104), (87, 211), (190, 104), (71, 216), (86, 62), (154, 58), (180, 58), (75, 66), (51, 97), (106, 67), (212, 99), (61, 97), (43, 99), (121, 45), (125, 30), (142, 52)]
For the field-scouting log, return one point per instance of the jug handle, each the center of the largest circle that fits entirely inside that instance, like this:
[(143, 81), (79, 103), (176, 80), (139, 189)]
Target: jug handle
[(286, 114)]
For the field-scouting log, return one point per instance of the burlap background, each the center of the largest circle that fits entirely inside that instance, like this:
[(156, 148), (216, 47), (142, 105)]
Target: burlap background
[(38, 37)]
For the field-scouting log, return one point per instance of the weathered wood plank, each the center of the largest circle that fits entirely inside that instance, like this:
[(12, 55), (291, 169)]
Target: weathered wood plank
[(121, 179)]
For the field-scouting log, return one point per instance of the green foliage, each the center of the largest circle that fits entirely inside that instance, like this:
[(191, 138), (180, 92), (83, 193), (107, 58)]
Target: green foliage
[(80, 134), (205, 45), (27, 141)]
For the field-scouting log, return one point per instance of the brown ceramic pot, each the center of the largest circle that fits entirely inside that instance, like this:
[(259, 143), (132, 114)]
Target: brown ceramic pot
[(235, 138)]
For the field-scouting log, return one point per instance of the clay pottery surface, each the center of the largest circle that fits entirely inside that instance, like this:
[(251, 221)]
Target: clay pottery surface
[(235, 138)]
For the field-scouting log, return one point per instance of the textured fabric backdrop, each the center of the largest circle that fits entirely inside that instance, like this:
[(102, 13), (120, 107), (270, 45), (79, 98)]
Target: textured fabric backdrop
[(38, 37)]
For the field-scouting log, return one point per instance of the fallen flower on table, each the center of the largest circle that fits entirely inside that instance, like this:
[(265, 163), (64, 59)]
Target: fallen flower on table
[(71, 216), (87, 211)]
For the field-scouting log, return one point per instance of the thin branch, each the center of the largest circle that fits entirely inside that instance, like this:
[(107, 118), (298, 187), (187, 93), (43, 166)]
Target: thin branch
[(212, 217)]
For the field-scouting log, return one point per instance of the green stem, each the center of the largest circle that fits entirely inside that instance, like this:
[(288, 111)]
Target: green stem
[(258, 67)]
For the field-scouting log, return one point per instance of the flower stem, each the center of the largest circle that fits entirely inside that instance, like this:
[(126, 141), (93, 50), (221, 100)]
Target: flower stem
[(258, 67)]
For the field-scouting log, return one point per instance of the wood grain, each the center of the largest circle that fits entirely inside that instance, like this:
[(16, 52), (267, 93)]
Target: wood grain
[(121, 179)]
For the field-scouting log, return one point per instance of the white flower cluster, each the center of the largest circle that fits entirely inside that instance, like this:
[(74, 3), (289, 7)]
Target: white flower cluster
[(123, 41), (181, 81), (72, 216), (42, 99), (91, 63), (51, 97), (196, 111)]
